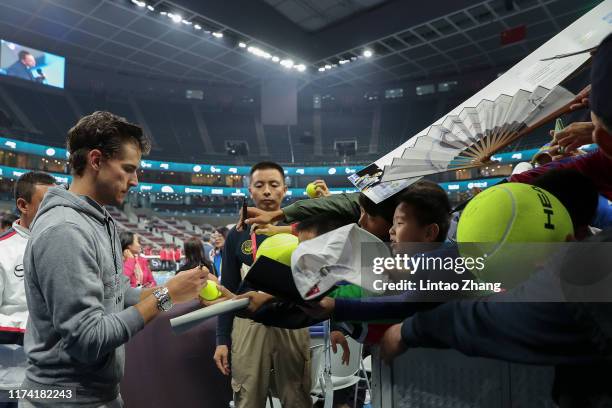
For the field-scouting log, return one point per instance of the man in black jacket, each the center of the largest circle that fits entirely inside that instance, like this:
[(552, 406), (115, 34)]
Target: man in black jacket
[(255, 348)]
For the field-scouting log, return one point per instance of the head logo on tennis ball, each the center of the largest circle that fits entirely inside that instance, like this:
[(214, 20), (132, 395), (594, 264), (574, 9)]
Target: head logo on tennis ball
[(278, 247), (497, 220), (548, 208)]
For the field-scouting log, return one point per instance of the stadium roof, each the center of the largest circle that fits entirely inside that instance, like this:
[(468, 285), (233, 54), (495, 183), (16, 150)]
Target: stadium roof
[(240, 42)]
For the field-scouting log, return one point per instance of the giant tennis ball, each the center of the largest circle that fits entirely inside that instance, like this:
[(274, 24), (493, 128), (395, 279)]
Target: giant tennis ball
[(210, 291), (512, 226), (278, 247), (311, 190)]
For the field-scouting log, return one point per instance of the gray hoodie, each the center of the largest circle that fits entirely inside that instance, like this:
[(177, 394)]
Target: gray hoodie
[(77, 295)]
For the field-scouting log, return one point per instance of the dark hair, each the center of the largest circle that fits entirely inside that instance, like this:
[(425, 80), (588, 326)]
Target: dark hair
[(126, 238), (8, 220), (104, 131), (386, 208), (430, 205), (321, 224), (194, 252), (223, 231), (22, 54), (24, 187), (265, 165), (383, 209), (576, 192)]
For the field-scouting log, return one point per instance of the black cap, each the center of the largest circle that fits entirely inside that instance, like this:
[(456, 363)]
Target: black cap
[(601, 81)]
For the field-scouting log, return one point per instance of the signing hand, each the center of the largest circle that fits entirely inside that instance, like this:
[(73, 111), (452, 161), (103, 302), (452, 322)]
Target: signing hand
[(186, 285)]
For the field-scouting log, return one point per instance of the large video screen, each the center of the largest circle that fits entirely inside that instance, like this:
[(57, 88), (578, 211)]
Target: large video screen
[(31, 64)]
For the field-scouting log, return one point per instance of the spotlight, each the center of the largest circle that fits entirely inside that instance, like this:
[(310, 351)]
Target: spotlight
[(327, 66), (176, 17), (163, 13), (275, 58), (217, 35), (287, 63), (197, 26), (321, 69), (300, 68), (151, 8), (242, 45), (368, 53), (342, 62)]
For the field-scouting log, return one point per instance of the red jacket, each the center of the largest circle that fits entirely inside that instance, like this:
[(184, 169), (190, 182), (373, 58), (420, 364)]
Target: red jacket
[(594, 165), (147, 277)]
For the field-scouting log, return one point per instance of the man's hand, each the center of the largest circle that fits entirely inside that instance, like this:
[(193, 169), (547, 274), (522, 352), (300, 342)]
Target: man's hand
[(336, 338), (257, 300), (257, 216), (573, 136), (221, 358), (186, 285), (322, 309), (226, 294), (321, 188), (270, 229), (392, 344)]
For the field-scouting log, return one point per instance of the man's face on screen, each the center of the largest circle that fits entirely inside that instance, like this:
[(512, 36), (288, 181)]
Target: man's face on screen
[(267, 189), (29, 61)]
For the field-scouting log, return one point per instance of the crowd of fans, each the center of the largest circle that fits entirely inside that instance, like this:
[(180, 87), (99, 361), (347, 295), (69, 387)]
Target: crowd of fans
[(80, 309)]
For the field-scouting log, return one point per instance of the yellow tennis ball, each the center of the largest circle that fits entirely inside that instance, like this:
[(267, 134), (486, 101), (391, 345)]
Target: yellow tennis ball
[(278, 247), (210, 291), (496, 220), (311, 190)]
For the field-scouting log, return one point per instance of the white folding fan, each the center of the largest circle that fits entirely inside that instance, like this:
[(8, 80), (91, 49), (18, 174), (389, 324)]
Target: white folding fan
[(470, 138)]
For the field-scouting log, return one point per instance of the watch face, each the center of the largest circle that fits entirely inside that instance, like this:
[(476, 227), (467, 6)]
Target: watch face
[(166, 304)]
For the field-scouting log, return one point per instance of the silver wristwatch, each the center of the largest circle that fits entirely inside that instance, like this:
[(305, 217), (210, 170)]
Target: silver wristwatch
[(164, 303)]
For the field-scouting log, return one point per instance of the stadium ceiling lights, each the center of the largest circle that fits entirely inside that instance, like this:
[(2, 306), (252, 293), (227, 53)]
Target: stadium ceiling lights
[(177, 18), (287, 62), (367, 53)]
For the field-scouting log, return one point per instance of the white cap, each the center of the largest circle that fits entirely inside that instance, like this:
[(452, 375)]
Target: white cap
[(521, 167)]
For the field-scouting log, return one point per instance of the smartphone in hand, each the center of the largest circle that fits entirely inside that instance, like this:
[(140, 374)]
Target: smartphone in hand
[(243, 213)]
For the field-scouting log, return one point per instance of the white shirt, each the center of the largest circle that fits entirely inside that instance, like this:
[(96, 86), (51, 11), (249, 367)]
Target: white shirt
[(13, 306)]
